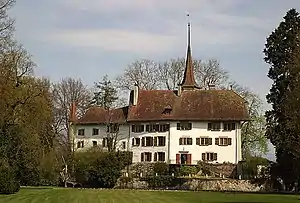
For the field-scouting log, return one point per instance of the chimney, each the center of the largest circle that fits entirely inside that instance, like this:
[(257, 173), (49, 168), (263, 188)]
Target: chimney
[(211, 86), (135, 94), (72, 117), (179, 90)]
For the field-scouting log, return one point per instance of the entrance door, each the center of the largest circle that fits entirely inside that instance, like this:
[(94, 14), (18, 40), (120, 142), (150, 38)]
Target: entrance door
[(183, 158)]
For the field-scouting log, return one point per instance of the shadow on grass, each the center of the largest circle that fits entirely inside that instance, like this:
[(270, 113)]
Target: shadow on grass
[(37, 188)]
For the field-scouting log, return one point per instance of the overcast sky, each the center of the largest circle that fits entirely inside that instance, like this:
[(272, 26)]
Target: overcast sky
[(90, 38)]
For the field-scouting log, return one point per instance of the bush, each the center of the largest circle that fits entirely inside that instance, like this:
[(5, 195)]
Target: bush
[(161, 181), (161, 168), (205, 168), (187, 170), (100, 169), (8, 181), (249, 167)]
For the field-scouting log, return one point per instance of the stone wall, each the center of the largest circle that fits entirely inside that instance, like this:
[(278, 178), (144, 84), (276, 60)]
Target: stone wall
[(138, 169), (199, 184)]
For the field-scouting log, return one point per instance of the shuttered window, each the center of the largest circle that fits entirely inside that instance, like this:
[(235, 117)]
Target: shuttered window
[(184, 126), (80, 144), (147, 141), (223, 141), (185, 141), (214, 126), (136, 142), (137, 128), (204, 141), (229, 126), (160, 156), (157, 127), (146, 156), (209, 156)]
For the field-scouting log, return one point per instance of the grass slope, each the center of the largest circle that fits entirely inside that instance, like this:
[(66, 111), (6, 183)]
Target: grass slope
[(48, 195)]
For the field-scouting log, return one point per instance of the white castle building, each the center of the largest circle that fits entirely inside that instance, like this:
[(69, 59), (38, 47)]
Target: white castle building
[(176, 127)]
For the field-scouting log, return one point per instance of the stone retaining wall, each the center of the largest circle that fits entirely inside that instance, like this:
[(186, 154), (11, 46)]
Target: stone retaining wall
[(200, 184)]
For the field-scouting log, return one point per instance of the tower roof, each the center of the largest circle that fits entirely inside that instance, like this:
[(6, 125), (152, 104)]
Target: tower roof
[(188, 81)]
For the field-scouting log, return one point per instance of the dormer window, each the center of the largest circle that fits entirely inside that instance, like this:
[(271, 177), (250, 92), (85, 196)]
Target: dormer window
[(167, 110)]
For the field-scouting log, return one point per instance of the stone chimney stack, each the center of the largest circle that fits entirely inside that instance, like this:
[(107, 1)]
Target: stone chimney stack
[(211, 86), (135, 94), (179, 90), (72, 117), (72, 120)]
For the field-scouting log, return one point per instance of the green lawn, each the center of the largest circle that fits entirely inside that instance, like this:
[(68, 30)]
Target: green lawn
[(39, 195)]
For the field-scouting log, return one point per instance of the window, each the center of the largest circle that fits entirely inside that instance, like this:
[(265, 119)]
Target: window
[(105, 142), (112, 128), (136, 142), (95, 131), (209, 156), (157, 127), (147, 141), (184, 126), (146, 156), (123, 145), (137, 128), (229, 126), (94, 143), (159, 156), (185, 141), (81, 132), (80, 144), (215, 126), (223, 141), (160, 141), (203, 141)]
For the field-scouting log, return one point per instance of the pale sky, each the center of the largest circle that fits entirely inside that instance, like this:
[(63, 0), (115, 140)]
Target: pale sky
[(90, 38)]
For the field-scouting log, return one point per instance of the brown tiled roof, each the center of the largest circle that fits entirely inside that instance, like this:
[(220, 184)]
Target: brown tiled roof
[(155, 105), (190, 105), (98, 115)]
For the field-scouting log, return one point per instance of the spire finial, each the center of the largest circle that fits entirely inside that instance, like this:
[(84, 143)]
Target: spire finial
[(189, 29)]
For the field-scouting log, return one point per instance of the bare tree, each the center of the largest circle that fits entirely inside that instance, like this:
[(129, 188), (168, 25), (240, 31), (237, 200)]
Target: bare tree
[(65, 92), (171, 72), (210, 73), (168, 74), (6, 23), (254, 140), (144, 73)]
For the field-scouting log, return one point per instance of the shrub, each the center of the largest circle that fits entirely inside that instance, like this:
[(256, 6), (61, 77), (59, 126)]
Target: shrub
[(100, 169), (186, 170), (205, 168), (161, 181), (161, 168), (8, 181), (249, 167)]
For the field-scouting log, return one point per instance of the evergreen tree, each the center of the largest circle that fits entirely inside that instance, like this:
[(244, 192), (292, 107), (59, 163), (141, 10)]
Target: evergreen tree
[(280, 51), (106, 97), (106, 94)]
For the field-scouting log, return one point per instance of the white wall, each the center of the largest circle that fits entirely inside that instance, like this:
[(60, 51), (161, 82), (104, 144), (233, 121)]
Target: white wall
[(138, 150), (88, 137), (231, 153)]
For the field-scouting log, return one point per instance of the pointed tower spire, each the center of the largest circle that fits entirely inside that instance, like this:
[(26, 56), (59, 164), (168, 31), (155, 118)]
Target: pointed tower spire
[(188, 81)]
